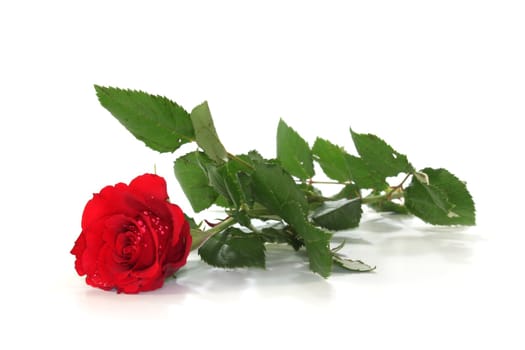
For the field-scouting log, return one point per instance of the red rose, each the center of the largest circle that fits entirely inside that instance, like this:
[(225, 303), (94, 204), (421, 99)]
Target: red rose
[(132, 237)]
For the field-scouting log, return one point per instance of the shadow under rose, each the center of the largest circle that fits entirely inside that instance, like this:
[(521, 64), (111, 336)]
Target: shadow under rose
[(285, 271), (145, 305), (391, 235)]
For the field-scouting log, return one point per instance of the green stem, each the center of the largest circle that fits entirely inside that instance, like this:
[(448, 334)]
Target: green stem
[(395, 192), (239, 160), (199, 237), (220, 226), (311, 182), (315, 198), (398, 187), (382, 197), (262, 213)]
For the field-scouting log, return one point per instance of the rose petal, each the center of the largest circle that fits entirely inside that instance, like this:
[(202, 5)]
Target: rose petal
[(152, 272), (95, 281), (109, 270), (178, 255), (141, 285), (110, 201), (78, 250), (178, 221), (146, 248), (94, 242), (113, 226), (149, 186)]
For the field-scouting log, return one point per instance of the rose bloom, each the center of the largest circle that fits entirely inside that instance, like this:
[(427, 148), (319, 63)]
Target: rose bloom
[(132, 237)]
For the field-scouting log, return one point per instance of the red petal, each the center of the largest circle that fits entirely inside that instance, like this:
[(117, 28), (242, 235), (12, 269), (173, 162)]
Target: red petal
[(178, 255), (111, 200), (94, 242), (141, 285), (78, 251), (152, 284), (149, 186), (177, 220), (146, 250), (113, 226)]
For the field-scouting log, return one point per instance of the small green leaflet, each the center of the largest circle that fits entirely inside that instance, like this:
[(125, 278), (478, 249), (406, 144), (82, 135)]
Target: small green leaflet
[(293, 152), (363, 176), (349, 264), (206, 135), (379, 156), (224, 180), (352, 265), (389, 206), (347, 192), (159, 122), (191, 222), (341, 166), (232, 181), (277, 191), (444, 201), (319, 255), (338, 215), (279, 233), (333, 160), (222, 202), (233, 248), (194, 180)]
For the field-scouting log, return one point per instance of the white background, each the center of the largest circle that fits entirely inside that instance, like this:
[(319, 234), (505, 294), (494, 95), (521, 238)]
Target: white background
[(442, 81)]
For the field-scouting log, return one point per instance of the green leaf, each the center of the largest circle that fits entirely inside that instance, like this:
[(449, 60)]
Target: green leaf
[(245, 183), (293, 152), (222, 202), (255, 157), (389, 206), (277, 191), (160, 123), (352, 265), (191, 222), (364, 176), (333, 160), (232, 180), (206, 135), (194, 180), (319, 254), (233, 248), (379, 156), (242, 218), (280, 233), (224, 180), (444, 201), (337, 164), (347, 192), (338, 215)]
